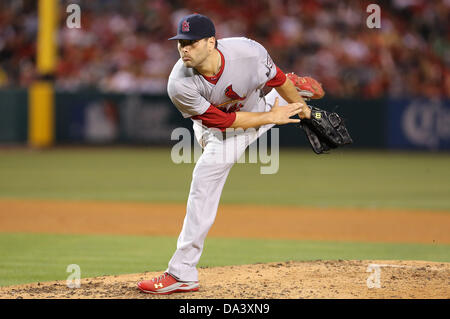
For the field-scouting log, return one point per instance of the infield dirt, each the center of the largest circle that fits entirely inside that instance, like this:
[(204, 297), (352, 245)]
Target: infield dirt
[(287, 280), (318, 279)]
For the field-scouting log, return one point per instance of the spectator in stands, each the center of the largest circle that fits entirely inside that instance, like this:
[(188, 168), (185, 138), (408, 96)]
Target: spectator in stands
[(123, 47)]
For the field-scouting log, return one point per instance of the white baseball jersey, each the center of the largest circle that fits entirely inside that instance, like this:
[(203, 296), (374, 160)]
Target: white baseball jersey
[(247, 68)]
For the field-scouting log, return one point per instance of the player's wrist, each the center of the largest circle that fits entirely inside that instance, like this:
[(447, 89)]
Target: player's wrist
[(269, 117), (307, 112)]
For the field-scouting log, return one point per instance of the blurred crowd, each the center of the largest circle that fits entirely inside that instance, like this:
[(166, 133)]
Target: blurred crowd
[(122, 45)]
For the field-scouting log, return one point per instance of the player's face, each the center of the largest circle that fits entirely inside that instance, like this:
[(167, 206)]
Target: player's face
[(193, 52)]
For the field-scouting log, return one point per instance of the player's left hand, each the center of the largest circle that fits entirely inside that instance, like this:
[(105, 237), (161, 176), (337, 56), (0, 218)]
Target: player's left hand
[(282, 114)]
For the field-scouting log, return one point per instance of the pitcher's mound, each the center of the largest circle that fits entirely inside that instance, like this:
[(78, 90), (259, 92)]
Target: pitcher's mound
[(286, 280)]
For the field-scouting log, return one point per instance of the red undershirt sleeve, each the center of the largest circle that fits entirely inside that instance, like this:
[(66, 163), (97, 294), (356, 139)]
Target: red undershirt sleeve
[(213, 117), (278, 80)]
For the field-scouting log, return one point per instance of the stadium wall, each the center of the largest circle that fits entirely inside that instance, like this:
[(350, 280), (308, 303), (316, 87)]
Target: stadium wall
[(98, 118)]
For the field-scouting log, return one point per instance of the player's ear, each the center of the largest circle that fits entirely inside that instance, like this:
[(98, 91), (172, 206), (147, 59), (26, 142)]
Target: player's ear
[(211, 42)]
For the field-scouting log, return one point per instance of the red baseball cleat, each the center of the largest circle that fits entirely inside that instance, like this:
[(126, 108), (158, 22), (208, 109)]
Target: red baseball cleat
[(307, 86), (166, 284)]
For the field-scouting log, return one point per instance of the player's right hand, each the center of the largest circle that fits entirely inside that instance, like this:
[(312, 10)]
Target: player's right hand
[(282, 114)]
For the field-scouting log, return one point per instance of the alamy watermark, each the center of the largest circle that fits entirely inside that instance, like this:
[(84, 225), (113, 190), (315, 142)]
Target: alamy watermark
[(228, 147), (374, 279), (73, 20), (374, 19), (73, 280)]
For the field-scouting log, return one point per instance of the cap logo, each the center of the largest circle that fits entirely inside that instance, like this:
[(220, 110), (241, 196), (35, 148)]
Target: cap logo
[(185, 26)]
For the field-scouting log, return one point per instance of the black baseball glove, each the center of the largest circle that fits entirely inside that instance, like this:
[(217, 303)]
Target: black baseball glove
[(325, 130)]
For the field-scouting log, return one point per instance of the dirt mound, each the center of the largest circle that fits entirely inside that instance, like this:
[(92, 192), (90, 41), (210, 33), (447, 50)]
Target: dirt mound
[(287, 280)]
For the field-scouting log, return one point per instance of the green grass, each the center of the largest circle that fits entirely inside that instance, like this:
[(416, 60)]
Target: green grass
[(342, 179), (26, 258)]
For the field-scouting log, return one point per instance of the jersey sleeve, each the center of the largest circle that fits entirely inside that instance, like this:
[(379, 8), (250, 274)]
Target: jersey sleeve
[(266, 69), (213, 117), (186, 98), (278, 79)]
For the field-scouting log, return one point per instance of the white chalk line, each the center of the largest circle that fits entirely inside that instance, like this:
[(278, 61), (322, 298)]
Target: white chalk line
[(404, 266)]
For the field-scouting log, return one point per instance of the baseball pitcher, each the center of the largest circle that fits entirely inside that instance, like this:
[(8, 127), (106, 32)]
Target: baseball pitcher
[(220, 85)]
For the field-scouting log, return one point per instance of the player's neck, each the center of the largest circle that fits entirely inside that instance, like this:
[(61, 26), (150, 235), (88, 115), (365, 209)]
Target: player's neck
[(212, 64)]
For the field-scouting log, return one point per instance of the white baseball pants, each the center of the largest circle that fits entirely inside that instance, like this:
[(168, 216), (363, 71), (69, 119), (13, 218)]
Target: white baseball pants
[(209, 176)]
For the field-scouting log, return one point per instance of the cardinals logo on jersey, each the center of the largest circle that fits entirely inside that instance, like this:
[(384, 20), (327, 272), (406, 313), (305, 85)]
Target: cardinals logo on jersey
[(233, 95)]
